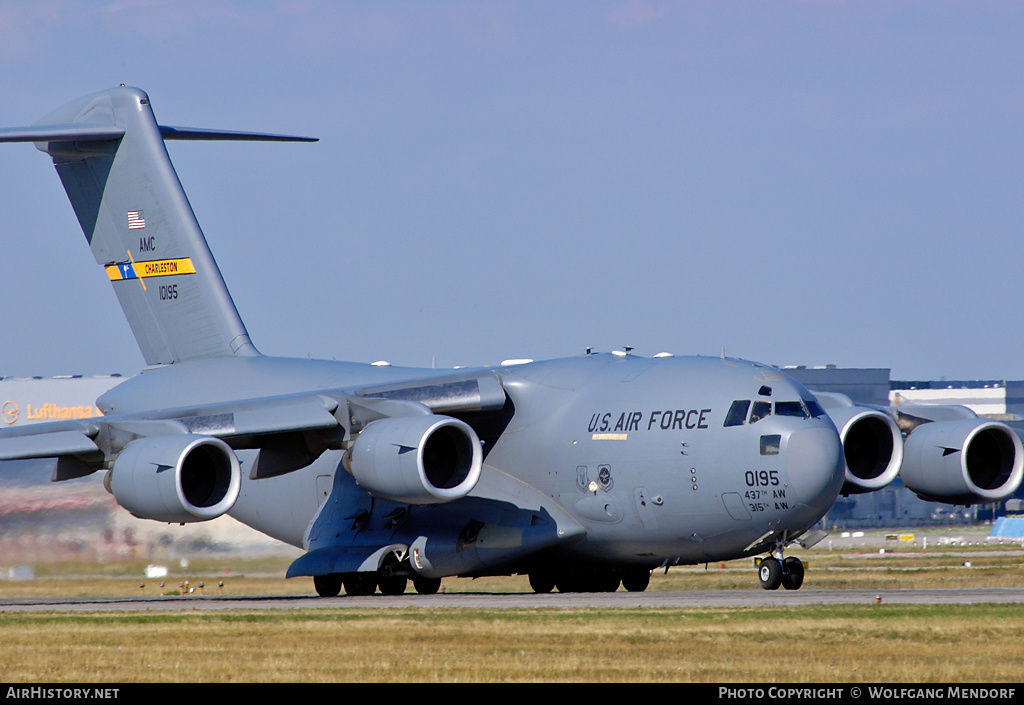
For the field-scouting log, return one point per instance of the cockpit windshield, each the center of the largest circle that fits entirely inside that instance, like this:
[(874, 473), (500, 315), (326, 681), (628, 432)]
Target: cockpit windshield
[(760, 411), (814, 407), (737, 415), (791, 408), (803, 409)]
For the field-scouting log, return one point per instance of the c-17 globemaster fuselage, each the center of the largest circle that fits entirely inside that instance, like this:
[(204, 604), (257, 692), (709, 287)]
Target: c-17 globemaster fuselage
[(584, 472), (594, 466)]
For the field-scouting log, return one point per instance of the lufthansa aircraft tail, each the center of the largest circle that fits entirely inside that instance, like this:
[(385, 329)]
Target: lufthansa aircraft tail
[(109, 152)]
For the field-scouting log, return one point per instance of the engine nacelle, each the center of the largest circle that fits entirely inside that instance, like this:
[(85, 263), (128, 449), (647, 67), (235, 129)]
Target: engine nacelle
[(181, 478), (872, 448), (416, 459), (963, 462)]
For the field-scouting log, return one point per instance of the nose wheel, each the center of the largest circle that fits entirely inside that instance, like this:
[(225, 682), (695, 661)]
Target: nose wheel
[(788, 573)]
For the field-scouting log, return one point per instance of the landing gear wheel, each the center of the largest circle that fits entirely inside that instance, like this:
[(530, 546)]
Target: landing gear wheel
[(792, 573), (636, 580), (359, 584), (426, 586), (769, 573), (327, 585), (392, 585), (542, 582)]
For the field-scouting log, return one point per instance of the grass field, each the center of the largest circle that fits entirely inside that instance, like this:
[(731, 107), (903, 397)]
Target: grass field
[(979, 643), (848, 643)]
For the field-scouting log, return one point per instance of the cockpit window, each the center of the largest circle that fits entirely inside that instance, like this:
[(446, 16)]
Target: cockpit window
[(802, 409), (761, 409), (737, 415), (814, 407), (790, 408)]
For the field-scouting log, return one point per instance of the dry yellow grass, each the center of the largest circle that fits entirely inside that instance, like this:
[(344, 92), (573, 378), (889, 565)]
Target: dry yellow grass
[(816, 644), (876, 643)]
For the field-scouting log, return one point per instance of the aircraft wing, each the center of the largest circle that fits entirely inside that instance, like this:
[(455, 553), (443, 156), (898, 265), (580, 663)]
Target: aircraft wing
[(293, 429)]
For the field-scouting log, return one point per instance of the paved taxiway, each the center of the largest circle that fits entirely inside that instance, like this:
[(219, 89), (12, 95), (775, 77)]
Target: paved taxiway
[(688, 598)]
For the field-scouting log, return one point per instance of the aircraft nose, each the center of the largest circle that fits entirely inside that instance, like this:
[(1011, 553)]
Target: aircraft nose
[(814, 462)]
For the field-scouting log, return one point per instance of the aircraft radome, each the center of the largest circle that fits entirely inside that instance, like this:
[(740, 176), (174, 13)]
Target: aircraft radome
[(585, 473)]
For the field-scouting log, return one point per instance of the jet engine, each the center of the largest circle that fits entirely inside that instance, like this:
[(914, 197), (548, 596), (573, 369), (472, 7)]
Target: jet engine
[(416, 459), (181, 478), (971, 461), (872, 448)]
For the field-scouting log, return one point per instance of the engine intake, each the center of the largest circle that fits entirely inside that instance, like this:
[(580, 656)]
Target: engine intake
[(872, 448), (416, 459), (963, 462), (180, 479)]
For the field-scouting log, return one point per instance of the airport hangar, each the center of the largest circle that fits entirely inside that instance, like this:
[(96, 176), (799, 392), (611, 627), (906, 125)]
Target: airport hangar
[(36, 399)]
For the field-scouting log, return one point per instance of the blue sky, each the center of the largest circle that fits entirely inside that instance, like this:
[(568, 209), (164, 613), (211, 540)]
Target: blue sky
[(797, 182)]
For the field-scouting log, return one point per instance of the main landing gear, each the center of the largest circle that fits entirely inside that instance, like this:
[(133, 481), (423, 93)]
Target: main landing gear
[(789, 573), (363, 584)]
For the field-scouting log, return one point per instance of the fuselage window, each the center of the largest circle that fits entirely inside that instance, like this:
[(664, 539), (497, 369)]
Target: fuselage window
[(790, 408), (770, 444), (737, 415), (761, 409)]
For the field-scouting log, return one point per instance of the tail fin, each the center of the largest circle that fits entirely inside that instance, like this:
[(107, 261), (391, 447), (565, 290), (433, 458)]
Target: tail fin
[(109, 152)]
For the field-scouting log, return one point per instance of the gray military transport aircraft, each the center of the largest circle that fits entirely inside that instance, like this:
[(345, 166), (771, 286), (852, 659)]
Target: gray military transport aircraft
[(584, 473)]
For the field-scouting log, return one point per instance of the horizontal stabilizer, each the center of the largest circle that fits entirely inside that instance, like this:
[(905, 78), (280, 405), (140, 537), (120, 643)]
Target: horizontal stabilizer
[(104, 133), (193, 133), (62, 133)]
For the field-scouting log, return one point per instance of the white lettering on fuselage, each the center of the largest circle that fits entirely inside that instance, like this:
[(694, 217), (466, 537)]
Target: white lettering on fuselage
[(672, 419)]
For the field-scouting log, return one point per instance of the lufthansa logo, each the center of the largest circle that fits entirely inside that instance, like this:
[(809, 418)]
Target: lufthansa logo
[(10, 412)]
